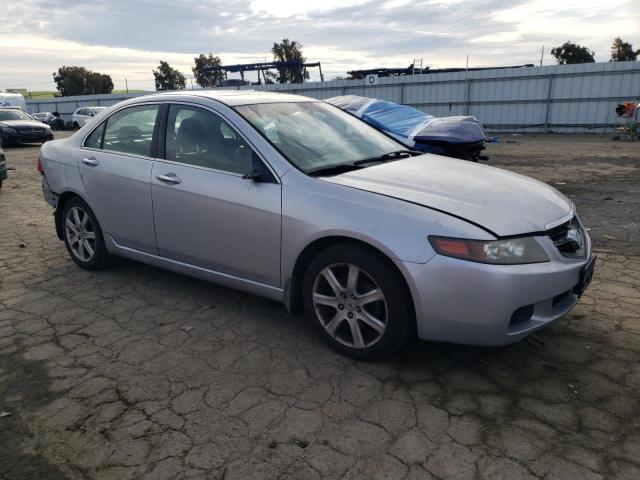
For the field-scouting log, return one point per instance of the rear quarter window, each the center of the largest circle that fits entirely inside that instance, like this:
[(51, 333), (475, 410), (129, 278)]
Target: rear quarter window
[(95, 139)]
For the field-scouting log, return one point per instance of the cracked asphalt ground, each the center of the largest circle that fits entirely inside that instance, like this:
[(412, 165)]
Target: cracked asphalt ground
[(135, 372)]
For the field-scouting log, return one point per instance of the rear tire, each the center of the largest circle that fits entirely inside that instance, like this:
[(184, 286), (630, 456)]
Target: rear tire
[(83, 236), (357, 302)]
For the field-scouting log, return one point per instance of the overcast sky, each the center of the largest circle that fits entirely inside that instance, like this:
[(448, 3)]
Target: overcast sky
[(126, 38)]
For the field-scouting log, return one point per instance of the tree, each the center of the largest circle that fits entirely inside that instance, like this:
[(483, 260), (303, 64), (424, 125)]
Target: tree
[(287, 51), (80, 81), (168, 78), (623, 51), (207, 79), (570, 53)]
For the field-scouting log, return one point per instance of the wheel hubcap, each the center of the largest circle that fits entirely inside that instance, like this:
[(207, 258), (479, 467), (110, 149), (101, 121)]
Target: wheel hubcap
[(350, 305), (81, 234)]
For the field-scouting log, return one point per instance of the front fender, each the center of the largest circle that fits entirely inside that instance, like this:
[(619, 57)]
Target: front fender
[(398, 229)]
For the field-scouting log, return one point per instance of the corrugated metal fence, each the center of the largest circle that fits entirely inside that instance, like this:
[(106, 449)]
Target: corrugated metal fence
[(559, 98)]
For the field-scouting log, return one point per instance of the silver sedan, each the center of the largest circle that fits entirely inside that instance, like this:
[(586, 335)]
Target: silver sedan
[(293, 199)]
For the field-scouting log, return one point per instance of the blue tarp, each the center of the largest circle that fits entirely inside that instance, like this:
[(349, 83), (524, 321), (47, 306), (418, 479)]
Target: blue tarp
[(410, 125)]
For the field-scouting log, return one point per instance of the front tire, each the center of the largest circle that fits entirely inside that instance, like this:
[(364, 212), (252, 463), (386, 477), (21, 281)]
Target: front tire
[(76, 126), (83, 236), (358, 302)]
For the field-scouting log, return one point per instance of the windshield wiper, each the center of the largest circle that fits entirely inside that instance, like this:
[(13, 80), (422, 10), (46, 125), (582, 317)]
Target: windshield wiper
[(332, 169), (347, 167), (389, 156)]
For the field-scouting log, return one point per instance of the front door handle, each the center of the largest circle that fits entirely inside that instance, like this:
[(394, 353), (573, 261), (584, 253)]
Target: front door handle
[(169, 178), (90, 162)]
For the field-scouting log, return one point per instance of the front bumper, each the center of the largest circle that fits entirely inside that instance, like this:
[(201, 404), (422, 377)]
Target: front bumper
[(478, 304), (19, 138), (3, 169)]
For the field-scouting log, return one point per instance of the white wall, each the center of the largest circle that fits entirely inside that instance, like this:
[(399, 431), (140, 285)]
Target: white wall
[(559, 98)]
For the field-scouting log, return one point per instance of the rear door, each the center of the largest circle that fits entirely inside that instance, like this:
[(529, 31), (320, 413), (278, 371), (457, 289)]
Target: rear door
[(115, 165), (206, 213)]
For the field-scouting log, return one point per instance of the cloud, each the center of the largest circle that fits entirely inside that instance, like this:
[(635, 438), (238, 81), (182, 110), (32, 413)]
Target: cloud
[(126, 39)]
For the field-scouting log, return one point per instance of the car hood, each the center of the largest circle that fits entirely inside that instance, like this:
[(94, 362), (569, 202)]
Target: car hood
[(23, 124), (500, 201)]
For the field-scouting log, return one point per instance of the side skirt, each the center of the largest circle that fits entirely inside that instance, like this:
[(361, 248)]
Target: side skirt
[(249, 286)]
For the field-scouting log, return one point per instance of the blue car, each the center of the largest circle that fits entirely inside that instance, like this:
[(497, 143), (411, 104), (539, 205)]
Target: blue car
[(459, 137)]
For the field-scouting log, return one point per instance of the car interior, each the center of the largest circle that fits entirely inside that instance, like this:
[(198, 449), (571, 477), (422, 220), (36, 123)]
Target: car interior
[(201, 138), (194, 137)]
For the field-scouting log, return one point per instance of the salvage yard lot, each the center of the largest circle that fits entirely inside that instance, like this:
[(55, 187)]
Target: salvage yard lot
[(135, 372)]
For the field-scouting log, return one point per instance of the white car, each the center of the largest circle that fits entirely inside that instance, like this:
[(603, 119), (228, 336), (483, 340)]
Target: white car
[(84, 114), (43, 117)]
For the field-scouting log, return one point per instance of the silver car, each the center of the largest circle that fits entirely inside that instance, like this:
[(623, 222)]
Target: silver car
[(293, 199)]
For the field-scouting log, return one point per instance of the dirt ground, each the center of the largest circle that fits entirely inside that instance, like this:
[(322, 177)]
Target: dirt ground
[(601, 176), (135, 372)]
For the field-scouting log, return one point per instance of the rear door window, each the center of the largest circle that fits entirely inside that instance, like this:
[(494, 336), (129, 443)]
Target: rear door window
[(131, 130)]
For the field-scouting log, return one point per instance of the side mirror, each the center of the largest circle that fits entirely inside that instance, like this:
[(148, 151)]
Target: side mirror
[(259, 173), (255, 176)]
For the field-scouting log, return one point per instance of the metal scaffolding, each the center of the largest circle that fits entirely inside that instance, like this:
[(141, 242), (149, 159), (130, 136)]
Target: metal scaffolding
[(264, 67)]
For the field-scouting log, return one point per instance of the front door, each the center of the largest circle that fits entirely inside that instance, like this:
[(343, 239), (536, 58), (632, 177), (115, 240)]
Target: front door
[(115, 165), (206, 213)]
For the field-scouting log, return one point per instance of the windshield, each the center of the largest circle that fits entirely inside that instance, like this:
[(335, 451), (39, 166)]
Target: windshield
[(314, 135), (13, 115), (97, 110)]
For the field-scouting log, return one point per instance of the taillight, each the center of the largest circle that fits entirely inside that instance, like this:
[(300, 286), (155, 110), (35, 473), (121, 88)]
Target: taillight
[(39, 166)]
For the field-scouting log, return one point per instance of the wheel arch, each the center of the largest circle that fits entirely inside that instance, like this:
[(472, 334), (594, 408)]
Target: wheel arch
[(293, 288), (63, 198)]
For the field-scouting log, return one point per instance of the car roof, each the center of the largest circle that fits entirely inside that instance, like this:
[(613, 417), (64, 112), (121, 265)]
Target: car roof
[(234, 98)]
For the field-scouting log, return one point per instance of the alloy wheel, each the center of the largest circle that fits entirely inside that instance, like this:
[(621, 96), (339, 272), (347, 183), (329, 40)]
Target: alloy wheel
[(350, 305), (81, 234)]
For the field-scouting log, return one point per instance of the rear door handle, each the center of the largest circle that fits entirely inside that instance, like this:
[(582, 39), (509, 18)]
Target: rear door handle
[(171, 178), (90, 162)]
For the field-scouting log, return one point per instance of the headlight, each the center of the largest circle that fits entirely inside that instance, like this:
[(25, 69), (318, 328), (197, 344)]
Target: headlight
[(9, 130), (512, 251)]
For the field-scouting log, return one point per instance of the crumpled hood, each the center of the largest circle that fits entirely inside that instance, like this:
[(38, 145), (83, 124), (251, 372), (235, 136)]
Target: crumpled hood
[(503, 202)]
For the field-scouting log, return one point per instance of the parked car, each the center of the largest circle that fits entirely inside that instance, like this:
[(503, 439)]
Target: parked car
[(83, 115), (233, 82), (17, 127), (51, 119), (292, 198), (3, 167), (458, 137)]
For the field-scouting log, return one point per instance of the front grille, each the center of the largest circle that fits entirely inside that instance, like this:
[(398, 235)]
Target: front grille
[(31, 131), (568, 238)]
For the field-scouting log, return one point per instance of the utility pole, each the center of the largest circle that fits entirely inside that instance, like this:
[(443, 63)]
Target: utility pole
[(542, 55), (126, 84)]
